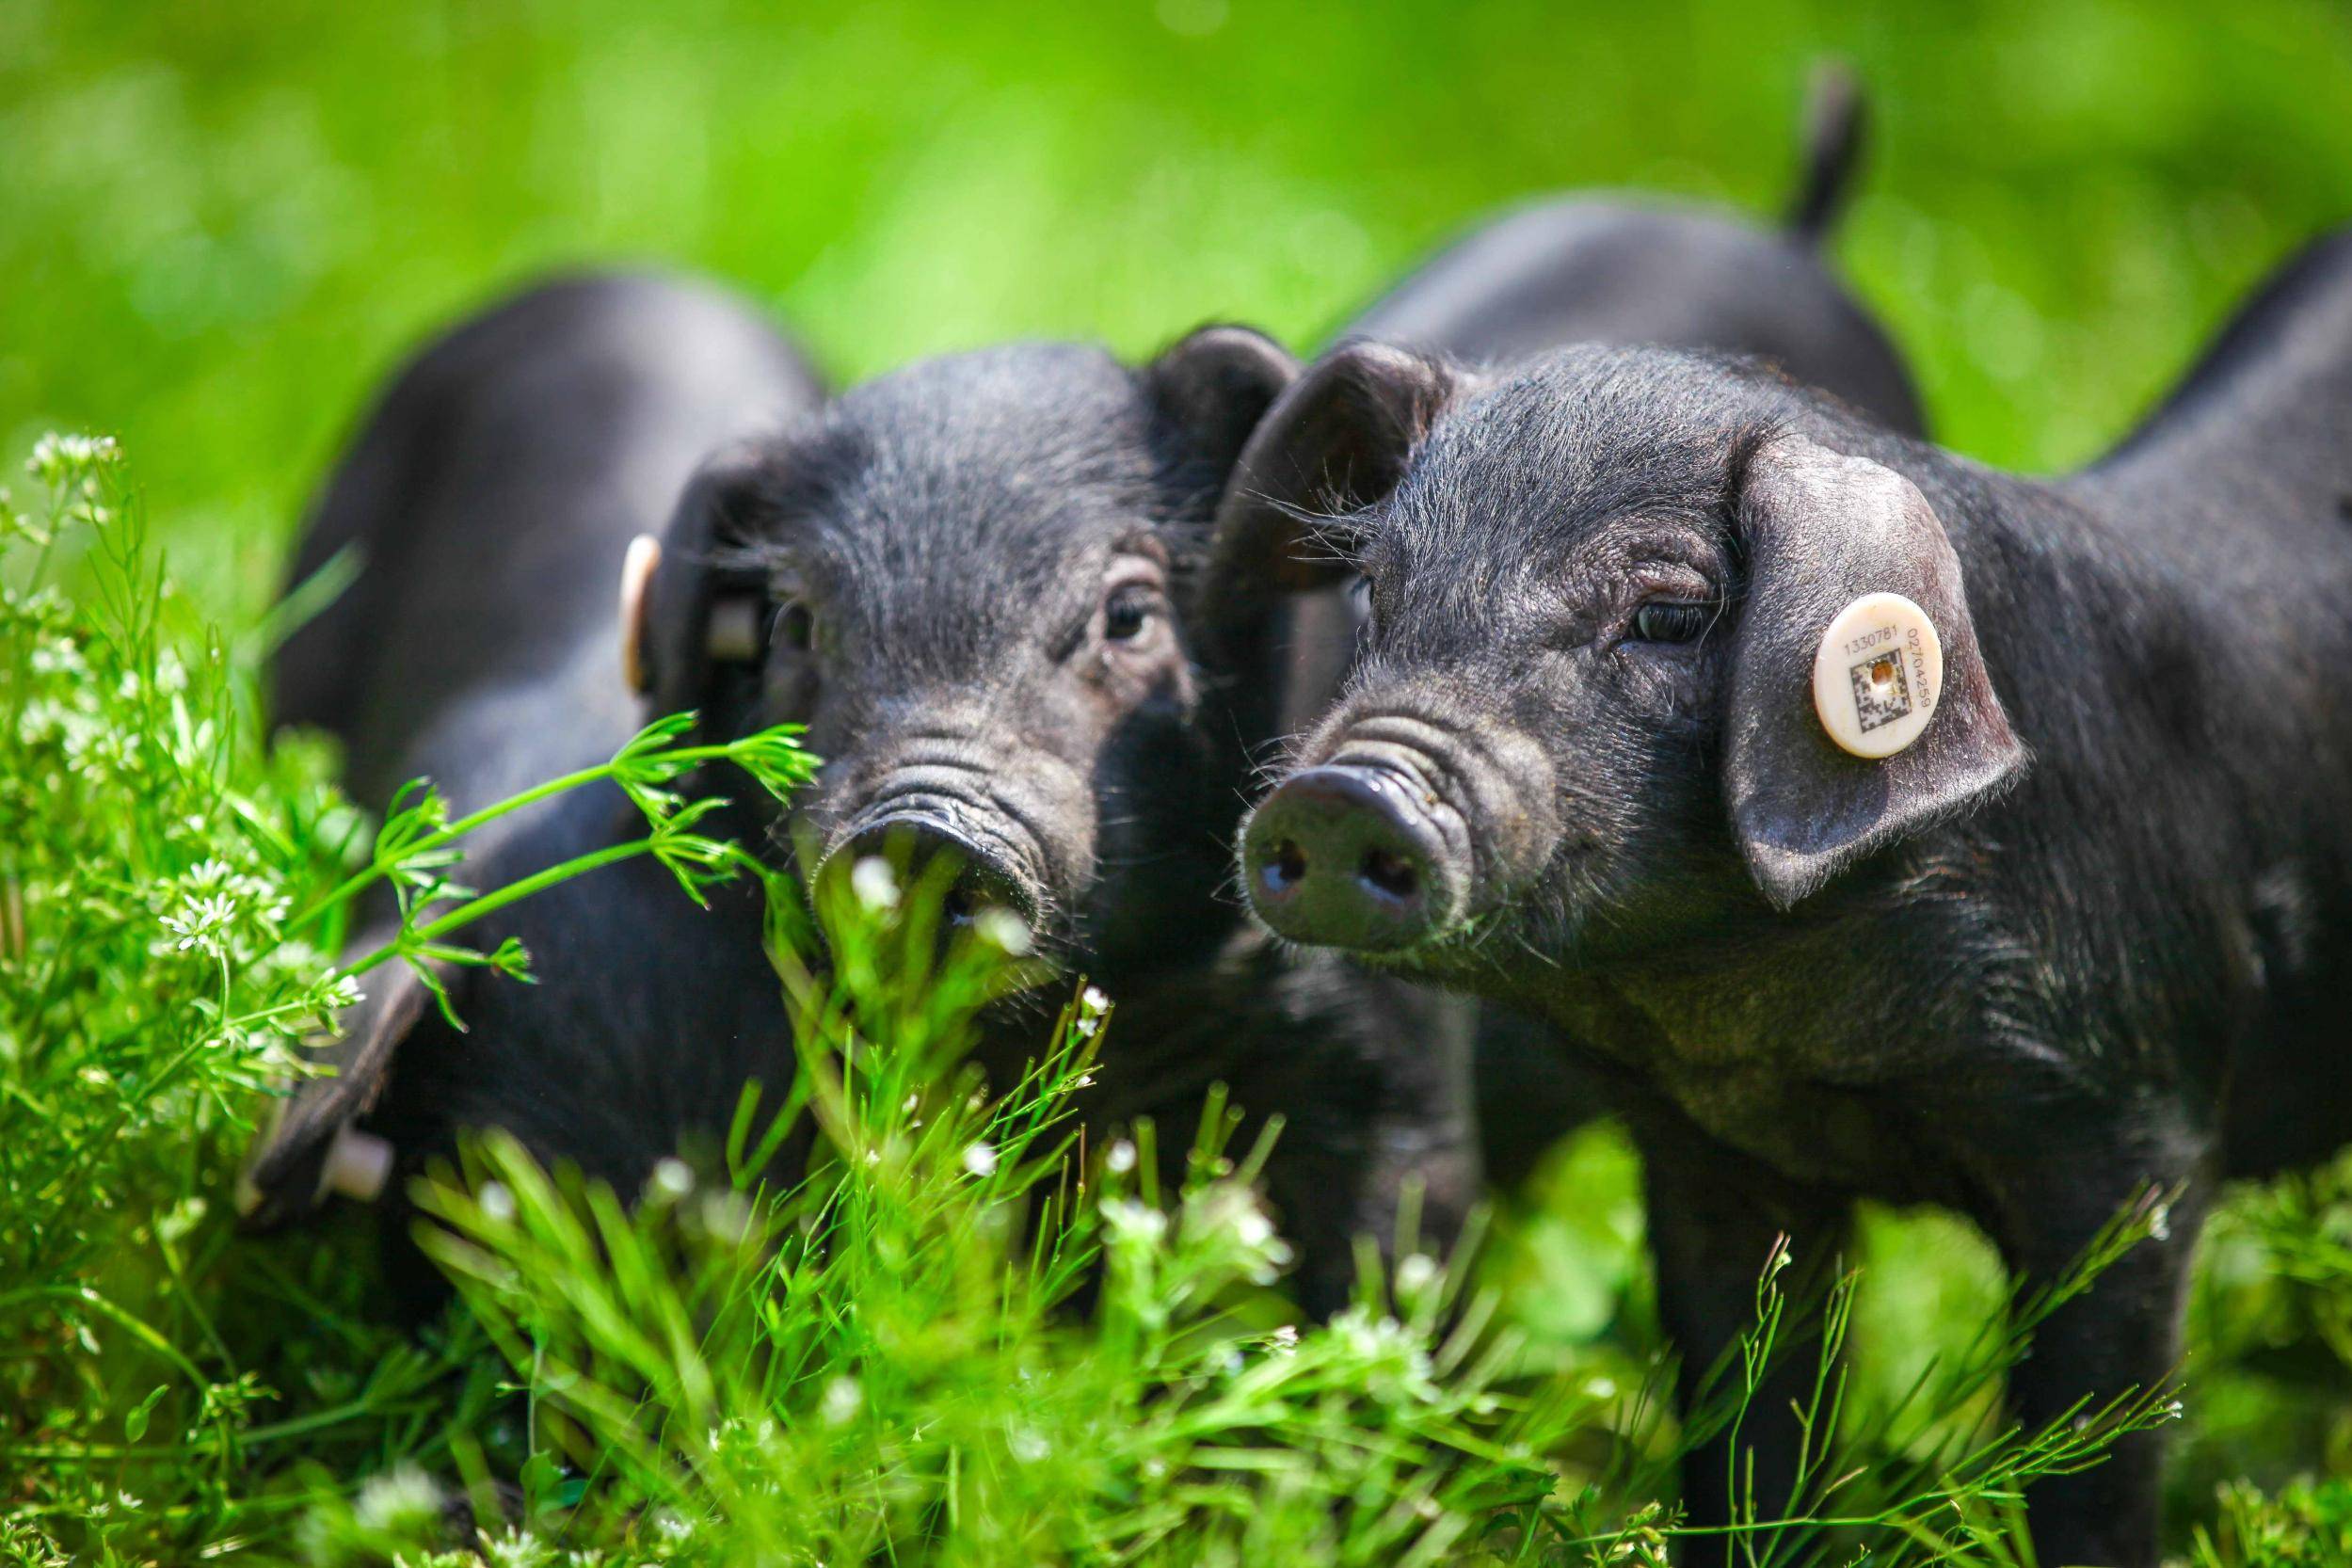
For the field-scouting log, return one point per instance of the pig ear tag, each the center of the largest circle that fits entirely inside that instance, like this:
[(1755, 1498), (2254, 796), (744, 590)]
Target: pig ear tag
[(1878, 675), (636, 576)]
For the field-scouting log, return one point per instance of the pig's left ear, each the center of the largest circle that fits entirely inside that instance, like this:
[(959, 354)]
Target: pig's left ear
[(1824, 533), (1214, 384), (691, 622)]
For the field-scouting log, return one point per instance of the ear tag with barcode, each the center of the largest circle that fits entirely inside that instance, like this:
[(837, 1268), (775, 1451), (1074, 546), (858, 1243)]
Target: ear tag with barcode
[(1878, 675)]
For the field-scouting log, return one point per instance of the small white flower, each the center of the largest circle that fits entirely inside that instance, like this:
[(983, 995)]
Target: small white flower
[(58, 457), (1093, 1000), (2160, 1222), (202, 922), (516, 1548), (58, 657), (841, 1402), (401, 1502), (1004, 931), (497, 1201), (875, 883), (1119, 1157), (981, 1159), (1129, 1221), (1416, 1274), (672, 1179), (1284, 1340)]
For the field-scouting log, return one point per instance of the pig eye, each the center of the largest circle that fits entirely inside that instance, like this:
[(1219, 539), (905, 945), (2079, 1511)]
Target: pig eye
[(1664, 620), (1126, 613), (795, 626)]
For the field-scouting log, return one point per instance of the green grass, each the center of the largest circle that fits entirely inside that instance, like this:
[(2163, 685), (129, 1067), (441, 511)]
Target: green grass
[(221, 227)]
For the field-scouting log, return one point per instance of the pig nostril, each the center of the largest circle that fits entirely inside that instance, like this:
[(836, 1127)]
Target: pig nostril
[(1287, 868), (1390, 873)]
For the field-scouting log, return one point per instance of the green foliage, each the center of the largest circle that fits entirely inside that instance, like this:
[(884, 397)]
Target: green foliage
[(154, 977), (149, 988), (2309, 1526)]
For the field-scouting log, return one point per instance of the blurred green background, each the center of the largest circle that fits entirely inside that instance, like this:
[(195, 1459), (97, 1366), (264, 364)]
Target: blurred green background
[(222, 225)]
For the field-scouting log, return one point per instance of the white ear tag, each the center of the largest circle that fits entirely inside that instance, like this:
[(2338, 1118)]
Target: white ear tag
[(357, 1165), (735, 628), (1879, 675), (636, 576)]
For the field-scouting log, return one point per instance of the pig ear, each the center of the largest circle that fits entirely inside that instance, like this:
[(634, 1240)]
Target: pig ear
[(1338, 440), (312, 1146), (1822, 530), (692, 617), (1216, 383)]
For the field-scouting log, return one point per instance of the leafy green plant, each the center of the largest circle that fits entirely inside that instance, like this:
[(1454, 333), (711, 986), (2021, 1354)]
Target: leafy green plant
[(154, 979), (2308, 1525)]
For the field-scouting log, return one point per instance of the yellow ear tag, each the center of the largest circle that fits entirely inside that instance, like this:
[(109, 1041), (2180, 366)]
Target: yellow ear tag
[(1878, 676), (636, 576)]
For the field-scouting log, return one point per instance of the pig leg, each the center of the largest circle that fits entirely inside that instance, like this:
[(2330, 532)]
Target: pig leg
[(1714, 1217), (2123, 1334)]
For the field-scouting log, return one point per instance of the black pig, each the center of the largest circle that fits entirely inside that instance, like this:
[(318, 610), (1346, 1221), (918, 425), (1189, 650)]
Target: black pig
[(491, 496), (1581, 769), (1591, 268), (972, 580)]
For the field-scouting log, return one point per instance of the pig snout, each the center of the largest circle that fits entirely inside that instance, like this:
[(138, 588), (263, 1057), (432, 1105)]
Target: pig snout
[(931, 850), (1352, 855), (1405, 826), (960, 821)]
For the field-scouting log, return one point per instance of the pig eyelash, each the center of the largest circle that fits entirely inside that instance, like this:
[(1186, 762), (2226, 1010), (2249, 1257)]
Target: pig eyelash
[(1129, 610), (1675, 621)]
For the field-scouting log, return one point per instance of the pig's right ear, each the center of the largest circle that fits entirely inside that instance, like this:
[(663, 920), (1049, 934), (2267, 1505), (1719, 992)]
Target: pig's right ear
[(690, 614), (312, 1146), (1829, 537), (1336, 442), (1216, 383)]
